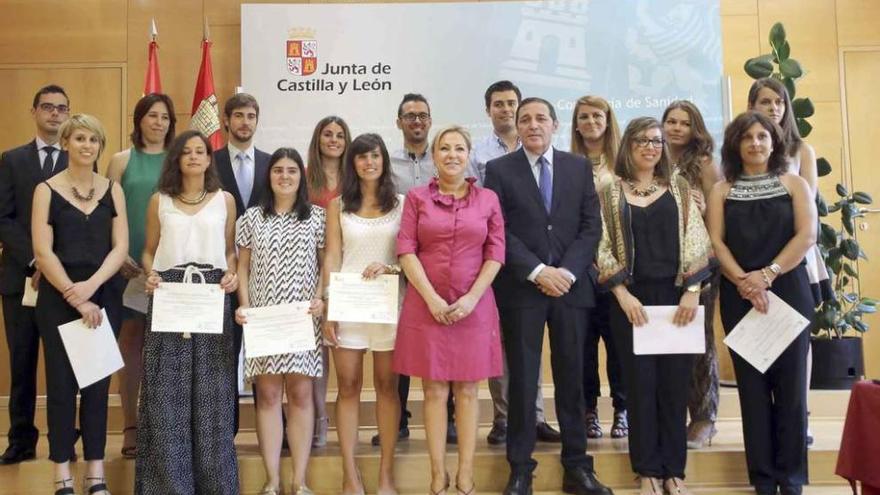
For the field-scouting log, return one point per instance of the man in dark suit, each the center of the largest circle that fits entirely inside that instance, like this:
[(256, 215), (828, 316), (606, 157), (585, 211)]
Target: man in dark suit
[(552, 229), (243, 171), (21, 169)]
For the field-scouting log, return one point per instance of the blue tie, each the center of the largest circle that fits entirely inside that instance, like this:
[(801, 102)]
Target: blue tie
[(545, 183)]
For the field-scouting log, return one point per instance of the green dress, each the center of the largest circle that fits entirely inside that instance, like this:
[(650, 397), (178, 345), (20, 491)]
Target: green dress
[(139, 183)]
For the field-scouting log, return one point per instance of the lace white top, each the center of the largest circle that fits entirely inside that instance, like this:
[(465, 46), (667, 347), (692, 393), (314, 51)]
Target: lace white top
[(198, 238), (365, 240)]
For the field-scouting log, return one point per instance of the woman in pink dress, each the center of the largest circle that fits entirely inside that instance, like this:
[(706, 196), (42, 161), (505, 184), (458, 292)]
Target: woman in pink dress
[(451, 246)]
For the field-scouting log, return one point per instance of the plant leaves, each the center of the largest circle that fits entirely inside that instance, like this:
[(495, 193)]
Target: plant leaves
[(850, 297), (862, 198), (783, 51), (851, 272), (823, 168), (803, 108), (789, 85), (791, 68), (860, 326), (841, 190), (827, 236), (777, 35), (758, 67), (864, 308), (804, 127), (821, 206), (851, 249)]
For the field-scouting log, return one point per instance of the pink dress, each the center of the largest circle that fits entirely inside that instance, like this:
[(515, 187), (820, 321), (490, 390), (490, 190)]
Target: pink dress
[(452, 238)]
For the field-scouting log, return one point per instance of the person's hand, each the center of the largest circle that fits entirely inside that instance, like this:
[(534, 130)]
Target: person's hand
[(229, 282), (750, 283), (152, 282), (91, 314), (699, 200), (461, 308), (79, 292), (760, 301), (373, 270), (553, 281), (632, 308), (240, 317), (130, 269), (330, 328), (316, 307), (439, 309), (35, 280), (687, 308)]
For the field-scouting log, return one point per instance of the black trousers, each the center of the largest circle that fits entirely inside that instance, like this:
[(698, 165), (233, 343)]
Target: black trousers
[(61, 386), (403, 394), (523, 339), (600, 327), (23, 342), (658, 391)]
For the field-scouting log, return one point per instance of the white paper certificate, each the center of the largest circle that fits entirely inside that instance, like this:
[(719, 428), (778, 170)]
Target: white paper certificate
[(92, 352), (280, 329), (662, 336), (188, 308), (761, 338), (30, 294), (356, 299)]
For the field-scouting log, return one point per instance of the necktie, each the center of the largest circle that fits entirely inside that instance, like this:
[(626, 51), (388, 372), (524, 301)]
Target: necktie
[(545, 183), (48, 163), (244, 178)]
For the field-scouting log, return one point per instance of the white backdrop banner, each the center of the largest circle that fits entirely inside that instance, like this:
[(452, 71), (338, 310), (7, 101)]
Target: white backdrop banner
[(306, 61)]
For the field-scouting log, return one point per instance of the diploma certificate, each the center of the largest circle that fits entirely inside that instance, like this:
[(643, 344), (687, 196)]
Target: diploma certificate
[(356, 299), (662, 336), (279, 329), (188, 308), (93, 352), (761, 338)]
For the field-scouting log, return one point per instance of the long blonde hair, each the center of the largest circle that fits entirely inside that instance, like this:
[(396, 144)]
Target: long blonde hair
[(611, 138)]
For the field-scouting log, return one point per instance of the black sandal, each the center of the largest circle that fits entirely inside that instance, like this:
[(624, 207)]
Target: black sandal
[(100, 486), (591, 421), (620, 427), (129, 451), (65, 489)]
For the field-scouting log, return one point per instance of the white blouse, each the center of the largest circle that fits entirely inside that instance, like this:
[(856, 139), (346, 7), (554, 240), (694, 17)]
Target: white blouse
[(198, 238)]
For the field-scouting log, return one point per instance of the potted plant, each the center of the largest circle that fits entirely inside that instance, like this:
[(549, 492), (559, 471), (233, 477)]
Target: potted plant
[(837, 326)]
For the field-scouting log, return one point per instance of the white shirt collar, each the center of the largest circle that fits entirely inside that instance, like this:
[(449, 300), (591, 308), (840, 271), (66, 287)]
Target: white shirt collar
[(42, 144), (533, 159), (233, 152)]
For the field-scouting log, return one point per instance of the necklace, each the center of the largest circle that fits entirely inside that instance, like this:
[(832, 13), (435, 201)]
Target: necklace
[(84, 198), (193, 201), (643, 193)]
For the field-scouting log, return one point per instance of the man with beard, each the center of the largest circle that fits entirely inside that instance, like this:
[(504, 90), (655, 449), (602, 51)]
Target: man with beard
[(243, 171)]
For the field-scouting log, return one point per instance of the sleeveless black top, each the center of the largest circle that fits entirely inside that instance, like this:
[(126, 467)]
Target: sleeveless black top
[(82, 240), (655, 239)]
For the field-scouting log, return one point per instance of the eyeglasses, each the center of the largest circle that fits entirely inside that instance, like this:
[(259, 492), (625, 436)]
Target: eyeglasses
[(412, 117), (643, 142), (49, 108)]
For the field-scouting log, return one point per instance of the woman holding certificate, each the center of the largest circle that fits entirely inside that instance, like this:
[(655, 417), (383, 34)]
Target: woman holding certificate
[(187, 404), (362, 225), (80, 238), (762, 222), (280, 250), (654, 252), (449, 328)]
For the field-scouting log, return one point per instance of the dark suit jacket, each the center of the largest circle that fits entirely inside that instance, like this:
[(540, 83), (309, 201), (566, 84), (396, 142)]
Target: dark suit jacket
[(20, 172), (567, 237), (227, 177)]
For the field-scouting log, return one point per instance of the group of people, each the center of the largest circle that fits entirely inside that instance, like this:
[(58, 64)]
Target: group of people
[(580, 242)]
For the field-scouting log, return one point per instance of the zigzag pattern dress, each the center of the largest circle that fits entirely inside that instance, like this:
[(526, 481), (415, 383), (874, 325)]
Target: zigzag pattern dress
[(284, 268)]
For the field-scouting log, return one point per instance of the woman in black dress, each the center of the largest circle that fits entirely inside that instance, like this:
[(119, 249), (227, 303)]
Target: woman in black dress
[(80, 236), (654, 251), (762, 221)]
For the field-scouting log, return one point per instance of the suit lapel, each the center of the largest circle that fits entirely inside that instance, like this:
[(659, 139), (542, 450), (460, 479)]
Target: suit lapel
[(227, 177), (528, 178), (61, 164), (34, 167), (261, 161), (558, 181)]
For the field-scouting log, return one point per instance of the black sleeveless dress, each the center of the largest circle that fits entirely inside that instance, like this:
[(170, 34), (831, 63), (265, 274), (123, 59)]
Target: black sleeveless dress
[(759, 222)]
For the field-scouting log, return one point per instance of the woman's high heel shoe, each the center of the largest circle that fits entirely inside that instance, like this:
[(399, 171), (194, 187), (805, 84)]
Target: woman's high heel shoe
[(65, 487), (460, 491), (442, 490), (700, 434), (675, 486), (99, 484), (650, 486)]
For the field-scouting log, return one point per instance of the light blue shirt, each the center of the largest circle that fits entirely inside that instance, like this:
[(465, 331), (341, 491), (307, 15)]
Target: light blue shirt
[(410, 171), (487, 148)]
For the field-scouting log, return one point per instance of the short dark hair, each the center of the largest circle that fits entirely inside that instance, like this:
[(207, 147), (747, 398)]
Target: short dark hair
[(535, 99), (142, 108), (411, 97), (240, 100), (51, 88), (499, 86), (731, 160), (171, 180), (624, 166), (302, 208), (351, 196)]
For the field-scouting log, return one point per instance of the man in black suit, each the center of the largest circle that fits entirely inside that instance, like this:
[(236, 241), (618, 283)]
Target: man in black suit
[(552, 230), (21, 169), (243, 170)]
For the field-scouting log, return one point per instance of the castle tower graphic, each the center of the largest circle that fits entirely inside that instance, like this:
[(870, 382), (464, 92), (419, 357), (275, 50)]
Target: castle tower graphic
[(550, 46)]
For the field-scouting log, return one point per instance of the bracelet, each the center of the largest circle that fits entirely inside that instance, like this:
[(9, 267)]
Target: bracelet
[(766, 277), (775, 268), (392, 269)]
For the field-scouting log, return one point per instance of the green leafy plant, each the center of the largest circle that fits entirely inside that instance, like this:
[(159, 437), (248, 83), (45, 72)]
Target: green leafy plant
[(840, 249)]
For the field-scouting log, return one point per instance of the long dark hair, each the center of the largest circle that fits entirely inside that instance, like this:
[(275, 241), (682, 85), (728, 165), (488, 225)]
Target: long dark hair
[(790, 132), (624, 166), (142, 108), (698, 148), (171, 179), (317, 179), (386, 194), (301, 206), (731, 160)]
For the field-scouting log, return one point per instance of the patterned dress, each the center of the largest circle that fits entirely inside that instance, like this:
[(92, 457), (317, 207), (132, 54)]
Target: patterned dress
[(284, 268)]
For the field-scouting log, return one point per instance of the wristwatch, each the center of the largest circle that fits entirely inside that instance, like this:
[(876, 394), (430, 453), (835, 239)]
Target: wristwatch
[(693, 288)]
